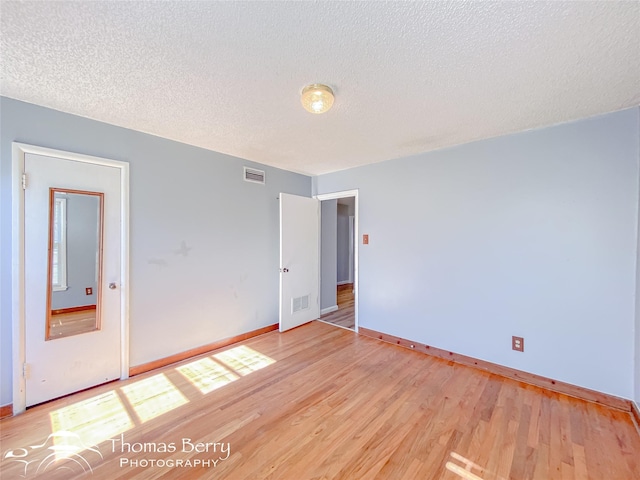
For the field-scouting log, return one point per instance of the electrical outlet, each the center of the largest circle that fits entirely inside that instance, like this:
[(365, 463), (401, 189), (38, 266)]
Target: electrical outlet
[(365, 239), (89, 291), (517, 344)]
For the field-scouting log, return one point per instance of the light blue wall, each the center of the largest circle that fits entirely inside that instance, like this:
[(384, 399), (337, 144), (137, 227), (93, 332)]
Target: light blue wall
[(82, 242), (328, 254), (204, 243), (532, 234)]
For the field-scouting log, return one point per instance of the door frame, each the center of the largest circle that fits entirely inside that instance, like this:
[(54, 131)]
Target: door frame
[(352, 247), (356, 243), (19, 150)]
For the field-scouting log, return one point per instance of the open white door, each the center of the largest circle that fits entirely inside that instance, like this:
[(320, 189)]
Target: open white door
[(72, 276), (299, 260)]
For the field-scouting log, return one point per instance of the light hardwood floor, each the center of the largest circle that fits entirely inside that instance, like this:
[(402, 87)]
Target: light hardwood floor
[(320, 402), (345, 316), (68, 324)]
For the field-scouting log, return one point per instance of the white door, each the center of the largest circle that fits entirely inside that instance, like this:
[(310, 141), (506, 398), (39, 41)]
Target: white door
[(299, 260), (58, 365)]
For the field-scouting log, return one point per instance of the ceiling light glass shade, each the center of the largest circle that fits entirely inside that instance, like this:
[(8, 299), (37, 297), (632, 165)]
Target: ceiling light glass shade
[(317, 98)]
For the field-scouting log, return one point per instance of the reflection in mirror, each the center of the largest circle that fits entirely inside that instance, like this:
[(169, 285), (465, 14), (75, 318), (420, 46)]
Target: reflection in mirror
[(75, 261)]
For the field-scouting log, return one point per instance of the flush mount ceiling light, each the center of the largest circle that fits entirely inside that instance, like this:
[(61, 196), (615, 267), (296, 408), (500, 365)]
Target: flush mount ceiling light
[(317, 98)]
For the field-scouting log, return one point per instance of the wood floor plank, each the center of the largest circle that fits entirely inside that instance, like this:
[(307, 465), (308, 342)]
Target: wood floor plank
[(521, 450), (534, 424), (580, 465), (565, 432), (555, 440), (320, 402), (345, 315)]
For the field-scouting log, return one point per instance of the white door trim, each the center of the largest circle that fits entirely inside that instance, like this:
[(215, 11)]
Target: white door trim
[(19, 150), (352, 245), (335, 196)]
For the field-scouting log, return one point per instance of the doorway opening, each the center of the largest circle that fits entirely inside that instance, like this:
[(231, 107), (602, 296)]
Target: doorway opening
[(338, 259)]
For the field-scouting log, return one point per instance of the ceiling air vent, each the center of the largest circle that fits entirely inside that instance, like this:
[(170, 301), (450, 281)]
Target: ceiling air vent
[(253, 175)]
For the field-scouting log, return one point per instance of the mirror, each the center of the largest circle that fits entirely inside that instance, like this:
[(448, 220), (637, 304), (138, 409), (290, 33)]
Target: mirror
[(75, 262)]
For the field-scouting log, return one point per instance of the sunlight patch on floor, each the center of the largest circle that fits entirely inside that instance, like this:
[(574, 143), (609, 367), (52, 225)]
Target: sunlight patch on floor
[(461, 472), (465, 472), (87, 423), (243, 359), (93, 421), (153, 396), (207, 375)]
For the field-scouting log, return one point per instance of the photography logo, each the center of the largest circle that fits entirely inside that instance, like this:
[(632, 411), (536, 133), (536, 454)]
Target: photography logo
[(60, 451)]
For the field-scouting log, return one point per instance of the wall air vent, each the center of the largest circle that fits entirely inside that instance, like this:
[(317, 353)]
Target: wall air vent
[(253, 175), (299, 303)]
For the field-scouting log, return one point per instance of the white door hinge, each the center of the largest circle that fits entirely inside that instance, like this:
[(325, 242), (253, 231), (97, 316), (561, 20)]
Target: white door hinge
[(24, 181), (26, 370)]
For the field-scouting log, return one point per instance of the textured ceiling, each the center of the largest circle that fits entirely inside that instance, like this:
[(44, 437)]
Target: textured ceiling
[(409, 77)]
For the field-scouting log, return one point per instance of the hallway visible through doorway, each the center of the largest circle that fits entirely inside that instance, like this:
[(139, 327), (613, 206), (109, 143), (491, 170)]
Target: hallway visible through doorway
[(345, 315), (339, 259)]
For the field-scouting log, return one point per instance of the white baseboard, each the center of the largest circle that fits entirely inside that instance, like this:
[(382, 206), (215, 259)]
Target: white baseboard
[(324, 311), (346, 282)]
